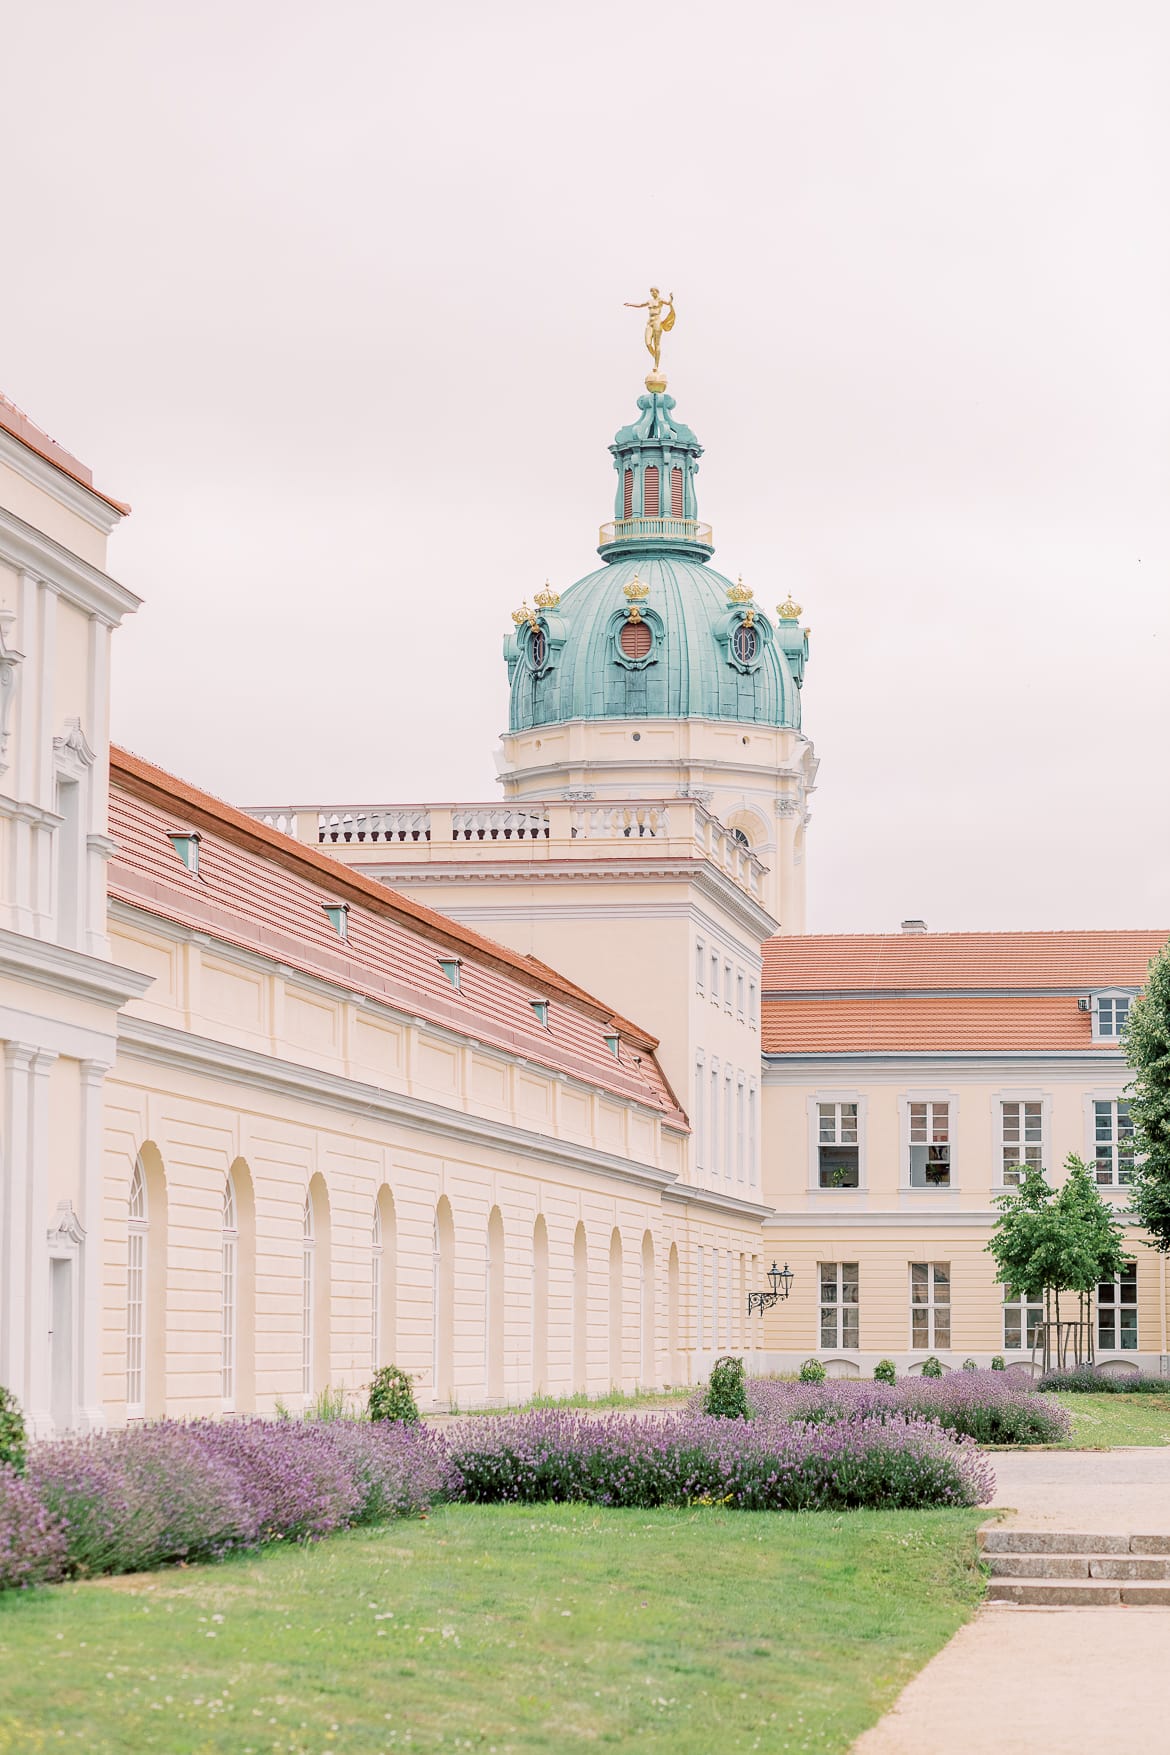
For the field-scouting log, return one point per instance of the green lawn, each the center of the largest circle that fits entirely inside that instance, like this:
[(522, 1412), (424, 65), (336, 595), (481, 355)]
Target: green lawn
[(501, 1629), (1105, 1420)]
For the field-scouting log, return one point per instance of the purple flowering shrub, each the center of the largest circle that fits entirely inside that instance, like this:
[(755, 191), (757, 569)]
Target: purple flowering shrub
[(32, 1538), (992, 1407), (688, 1459), (194, 1490)]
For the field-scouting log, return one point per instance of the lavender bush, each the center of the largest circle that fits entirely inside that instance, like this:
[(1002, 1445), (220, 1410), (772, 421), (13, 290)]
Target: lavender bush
[(687, 1459), (32, 1539), (1089, 1380), (990, 1407)]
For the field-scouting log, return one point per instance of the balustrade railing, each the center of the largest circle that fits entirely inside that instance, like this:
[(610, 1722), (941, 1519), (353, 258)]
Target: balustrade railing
[(655, 529)]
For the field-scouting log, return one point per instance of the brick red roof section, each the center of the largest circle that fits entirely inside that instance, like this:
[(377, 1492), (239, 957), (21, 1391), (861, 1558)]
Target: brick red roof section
[(959, 992), (265, 893), (16, 423)]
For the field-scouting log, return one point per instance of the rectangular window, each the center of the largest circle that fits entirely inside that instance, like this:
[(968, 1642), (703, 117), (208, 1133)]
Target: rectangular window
[(753, 1170), (728, 1129), (930, 1305), (930, 1145), (752, 1004), (1112, 1016), (837, 1156), (740, 1137), (713, 1121), (1113, 1128), (1021, 1136), (727, 987), (840, 1321), (700, 965), (700, 1093), (739, 991), (1021, 1317), (714, 978), (1117, 1317)]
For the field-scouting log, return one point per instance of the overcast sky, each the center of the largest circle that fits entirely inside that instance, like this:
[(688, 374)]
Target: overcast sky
[(333, 295)]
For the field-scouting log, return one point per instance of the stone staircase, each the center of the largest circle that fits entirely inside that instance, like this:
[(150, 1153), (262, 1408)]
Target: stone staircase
[(1064, 1569)]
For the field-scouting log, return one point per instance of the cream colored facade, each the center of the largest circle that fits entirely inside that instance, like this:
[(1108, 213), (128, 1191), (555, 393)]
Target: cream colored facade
[(238, 1169)]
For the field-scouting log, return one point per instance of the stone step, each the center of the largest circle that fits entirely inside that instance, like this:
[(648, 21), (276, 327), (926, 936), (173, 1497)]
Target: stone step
[(1085, 1593), (1056, 1566), (1068, 1542)]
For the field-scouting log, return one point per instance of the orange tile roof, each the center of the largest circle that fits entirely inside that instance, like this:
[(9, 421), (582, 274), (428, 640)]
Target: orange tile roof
[(947, 992), (958, 961), (17, 424), (260, 890)]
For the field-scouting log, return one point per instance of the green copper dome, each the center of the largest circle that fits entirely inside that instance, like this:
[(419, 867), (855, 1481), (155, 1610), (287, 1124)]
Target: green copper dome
[(655, 632)]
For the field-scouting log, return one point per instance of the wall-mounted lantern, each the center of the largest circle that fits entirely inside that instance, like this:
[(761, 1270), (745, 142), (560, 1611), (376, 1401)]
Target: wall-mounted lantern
[(781, 1282)]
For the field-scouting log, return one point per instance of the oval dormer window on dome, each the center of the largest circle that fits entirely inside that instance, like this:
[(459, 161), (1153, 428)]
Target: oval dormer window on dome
[(745, 644), (636, 639), (537, 648)]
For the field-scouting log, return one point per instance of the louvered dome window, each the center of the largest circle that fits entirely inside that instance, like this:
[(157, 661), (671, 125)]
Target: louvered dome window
[(676, 493), (636, 639), (628, 494), (650, 491)]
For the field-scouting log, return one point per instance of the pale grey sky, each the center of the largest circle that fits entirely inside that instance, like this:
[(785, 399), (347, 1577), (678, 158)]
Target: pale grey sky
[(333, 295)]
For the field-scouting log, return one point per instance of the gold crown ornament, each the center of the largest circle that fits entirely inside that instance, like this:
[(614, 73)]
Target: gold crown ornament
[(788, 611), (547, 599), (524, 614), (635, 590), (740, 593)]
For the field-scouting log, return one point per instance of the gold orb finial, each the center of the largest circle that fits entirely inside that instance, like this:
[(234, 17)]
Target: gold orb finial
[(788, 611)]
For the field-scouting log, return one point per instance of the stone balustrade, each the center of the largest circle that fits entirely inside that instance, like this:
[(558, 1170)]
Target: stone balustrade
[(543, 829)]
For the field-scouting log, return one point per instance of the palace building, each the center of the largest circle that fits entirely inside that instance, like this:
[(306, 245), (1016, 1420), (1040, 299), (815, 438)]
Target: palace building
[(526, 1095)]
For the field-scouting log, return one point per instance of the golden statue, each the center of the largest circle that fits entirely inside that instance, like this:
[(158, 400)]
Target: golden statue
[(657, 325)]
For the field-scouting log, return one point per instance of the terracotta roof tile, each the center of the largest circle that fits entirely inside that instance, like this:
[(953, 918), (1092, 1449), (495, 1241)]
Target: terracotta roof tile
[(958, 961), (17, 424), (259, 890), (1016, 1024)]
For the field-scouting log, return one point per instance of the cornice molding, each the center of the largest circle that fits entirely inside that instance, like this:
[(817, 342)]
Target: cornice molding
[(797, 1069), (94, 507), (686, 1194), (67, 971), (887, 1220), (177, 1049), (29, 549)]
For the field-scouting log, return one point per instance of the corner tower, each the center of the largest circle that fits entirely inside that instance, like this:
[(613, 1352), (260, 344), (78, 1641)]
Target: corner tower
[(657, 676)]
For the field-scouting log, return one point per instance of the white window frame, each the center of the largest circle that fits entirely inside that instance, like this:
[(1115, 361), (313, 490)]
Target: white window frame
[(1019, 1096), (931, 1304), (1117, 1306), (933, 1098), (838, 1305), (700, 966), (740, 1125), (713, 1118), (753, 1133), (137, 1267), (699, 1119), (1110, 996), (713, 969), (1029, 1311), (753, 991), (728, 1127), (229, 1295), (740, 992), (814, 1140), (1113, 1145), (728, 977)]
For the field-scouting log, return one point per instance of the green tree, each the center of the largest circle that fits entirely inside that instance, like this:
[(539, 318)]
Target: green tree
[(1052, 1243), (1147, 1048), (1017, 1242)]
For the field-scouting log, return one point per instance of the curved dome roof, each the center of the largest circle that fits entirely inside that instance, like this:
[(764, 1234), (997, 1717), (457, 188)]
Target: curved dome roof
[(655, 632)]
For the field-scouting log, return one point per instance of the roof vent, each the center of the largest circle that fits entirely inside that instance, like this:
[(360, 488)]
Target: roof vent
[(913, 926)]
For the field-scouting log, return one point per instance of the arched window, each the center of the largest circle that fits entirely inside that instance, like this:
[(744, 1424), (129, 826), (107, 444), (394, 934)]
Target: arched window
[(672, 1282), (136, 1295), (628, 494), (494, 1312), (229, 1288), (443, 1296), (537, 648), (308, 1252), (580, 1307), (745, 643), (742, 836), (540, 1312), (650, 491), (646, 1313), (376, 1288), (635, 639), (676, 493), (615, 1309)]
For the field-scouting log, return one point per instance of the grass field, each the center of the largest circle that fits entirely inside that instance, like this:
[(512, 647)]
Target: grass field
[(1106, 1420), (501, 1629)]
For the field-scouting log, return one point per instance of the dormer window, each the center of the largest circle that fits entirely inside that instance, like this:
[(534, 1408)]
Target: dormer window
[(186, 845), (338, 913), (540, 1012), (452, 968), (538, 648), (614, 1043), (745, 643), (1110, 1016)]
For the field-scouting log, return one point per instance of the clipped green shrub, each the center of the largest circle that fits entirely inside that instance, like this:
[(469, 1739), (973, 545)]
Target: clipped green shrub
[(970, 1365), (931, 1367), (812, 1371), (13, 1439), (999, 1363), (885, 1372), (726, 1396), (392, 1397)]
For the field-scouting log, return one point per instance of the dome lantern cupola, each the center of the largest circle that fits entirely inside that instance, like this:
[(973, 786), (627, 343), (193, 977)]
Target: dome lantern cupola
[(655, 506)]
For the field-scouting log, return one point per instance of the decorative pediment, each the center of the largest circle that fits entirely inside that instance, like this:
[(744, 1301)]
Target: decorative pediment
[(10, 659), (68, 1228), (72, 751)]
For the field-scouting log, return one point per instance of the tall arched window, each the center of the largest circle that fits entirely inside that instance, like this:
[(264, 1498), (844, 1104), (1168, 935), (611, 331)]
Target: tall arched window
[(580, 1308), (136, 1295), (229, 1291), (650, 491), (628, 493), (494, 1288), (646, 1314), (376, 1288), (672, 1279), (443, 1292), (539, 1305), (676, 493), (615, 1309), (308, 1263)]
